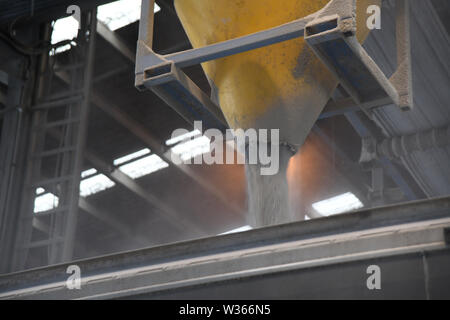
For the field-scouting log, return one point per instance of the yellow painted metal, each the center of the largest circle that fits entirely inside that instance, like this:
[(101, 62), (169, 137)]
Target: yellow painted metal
[(282, 86)]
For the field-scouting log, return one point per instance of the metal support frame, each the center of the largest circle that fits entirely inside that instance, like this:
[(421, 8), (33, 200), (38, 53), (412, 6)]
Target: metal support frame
[(329, 32), (382, 234), (81, 143), (68, 111)]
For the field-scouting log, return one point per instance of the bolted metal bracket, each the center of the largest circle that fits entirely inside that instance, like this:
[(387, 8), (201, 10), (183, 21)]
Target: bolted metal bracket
[(333, 40)]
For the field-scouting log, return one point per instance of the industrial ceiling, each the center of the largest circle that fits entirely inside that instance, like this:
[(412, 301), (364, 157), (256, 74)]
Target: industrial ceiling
[(214, 198)]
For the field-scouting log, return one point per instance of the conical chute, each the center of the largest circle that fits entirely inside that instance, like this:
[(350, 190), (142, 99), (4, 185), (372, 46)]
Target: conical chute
[(282, 86)]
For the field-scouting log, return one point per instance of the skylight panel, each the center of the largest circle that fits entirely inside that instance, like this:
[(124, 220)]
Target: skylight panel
[(339, 204), (45, 202), (131, 156), (114, 15), (88, 173), (192, 148), (95, 184), (64, 29), (183, 137), (144, 166), (90, 184), (120, 13)]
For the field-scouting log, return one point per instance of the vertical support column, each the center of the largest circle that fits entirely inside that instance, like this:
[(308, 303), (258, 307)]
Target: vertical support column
[(24, 210), (145, 39), (71, 221), (11, 163), (146, 23)]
